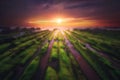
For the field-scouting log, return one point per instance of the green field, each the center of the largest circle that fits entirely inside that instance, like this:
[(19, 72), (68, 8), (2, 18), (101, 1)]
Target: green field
[(60, 55)]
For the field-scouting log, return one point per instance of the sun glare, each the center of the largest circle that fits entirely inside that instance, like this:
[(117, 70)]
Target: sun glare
[(59, 21)]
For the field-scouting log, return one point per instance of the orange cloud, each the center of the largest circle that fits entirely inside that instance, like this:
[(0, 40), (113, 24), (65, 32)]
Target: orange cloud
[(64, 22)]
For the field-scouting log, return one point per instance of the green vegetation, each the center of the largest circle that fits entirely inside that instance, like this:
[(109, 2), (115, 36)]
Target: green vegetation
[(22, 55), (96, 56), (30, 70)]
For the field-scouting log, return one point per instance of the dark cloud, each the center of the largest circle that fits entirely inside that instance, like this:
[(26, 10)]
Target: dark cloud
[(102, 10), (17, 11)]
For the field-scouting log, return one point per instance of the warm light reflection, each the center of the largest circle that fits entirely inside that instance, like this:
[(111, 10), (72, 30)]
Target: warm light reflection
[(59, 32)]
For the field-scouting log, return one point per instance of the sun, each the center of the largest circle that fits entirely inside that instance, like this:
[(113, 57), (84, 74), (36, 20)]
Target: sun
[(59, 20)]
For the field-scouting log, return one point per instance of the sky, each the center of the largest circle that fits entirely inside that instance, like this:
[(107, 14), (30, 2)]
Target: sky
[(73, 13)]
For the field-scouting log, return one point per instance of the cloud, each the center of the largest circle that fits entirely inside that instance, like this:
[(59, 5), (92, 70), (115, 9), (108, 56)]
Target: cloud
[(102, 10), (17, 11)]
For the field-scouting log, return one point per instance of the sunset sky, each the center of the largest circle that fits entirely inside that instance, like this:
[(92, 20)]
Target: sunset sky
[(72, 13)]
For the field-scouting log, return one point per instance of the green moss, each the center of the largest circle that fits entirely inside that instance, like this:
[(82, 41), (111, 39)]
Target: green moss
[(30, 70), (51, 74), (65, 67)]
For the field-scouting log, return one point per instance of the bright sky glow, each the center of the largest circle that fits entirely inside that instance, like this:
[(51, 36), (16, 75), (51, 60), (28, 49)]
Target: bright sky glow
[(59, 20)]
